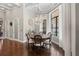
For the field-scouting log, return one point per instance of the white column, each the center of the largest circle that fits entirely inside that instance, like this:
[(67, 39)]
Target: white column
[(73, 29), (66, 28), (60, 22), (49, 23), (25, 23), (4, 25)]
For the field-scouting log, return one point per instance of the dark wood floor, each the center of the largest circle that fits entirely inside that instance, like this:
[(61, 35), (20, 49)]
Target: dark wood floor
[(13, 48)]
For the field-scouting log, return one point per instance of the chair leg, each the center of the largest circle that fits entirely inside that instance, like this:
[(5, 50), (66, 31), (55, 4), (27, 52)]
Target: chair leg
[(43, 43), (40, 43), (28, 43)]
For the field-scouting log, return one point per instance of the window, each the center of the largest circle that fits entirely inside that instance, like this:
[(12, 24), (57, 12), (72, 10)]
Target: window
[(54, 22), (55, 25)]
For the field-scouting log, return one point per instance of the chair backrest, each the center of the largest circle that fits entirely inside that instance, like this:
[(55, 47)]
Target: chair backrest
[(37, 38), (49, 35), (28, 36), (31, 35), (41, 33)]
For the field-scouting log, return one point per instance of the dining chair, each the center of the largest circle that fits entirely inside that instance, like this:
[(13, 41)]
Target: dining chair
[(48, 40), (37, 39), (29, 39), (41, 33)]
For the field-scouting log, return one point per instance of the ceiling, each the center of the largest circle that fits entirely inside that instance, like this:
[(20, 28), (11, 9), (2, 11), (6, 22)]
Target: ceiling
[(37, 8), (7, 6), (41, 8)]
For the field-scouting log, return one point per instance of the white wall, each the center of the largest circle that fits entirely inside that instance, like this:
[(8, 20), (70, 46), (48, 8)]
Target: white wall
[(40, 19), (2, 16), (15, 15), (28, 21), (20, 17)]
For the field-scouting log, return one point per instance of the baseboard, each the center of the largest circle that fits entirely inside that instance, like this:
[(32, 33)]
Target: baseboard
[(57, 43), (16, 39)]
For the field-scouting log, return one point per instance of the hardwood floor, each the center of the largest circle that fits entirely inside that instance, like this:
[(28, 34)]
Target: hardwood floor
[(13, 48)]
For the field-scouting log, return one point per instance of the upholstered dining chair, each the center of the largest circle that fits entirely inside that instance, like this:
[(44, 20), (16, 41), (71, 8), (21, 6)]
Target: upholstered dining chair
[(48, 40), (29, 39), (41, 33), (37, 39)]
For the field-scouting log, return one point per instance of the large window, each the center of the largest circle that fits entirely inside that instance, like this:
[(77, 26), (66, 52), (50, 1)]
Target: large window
[(54, 22), (55, 26)]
